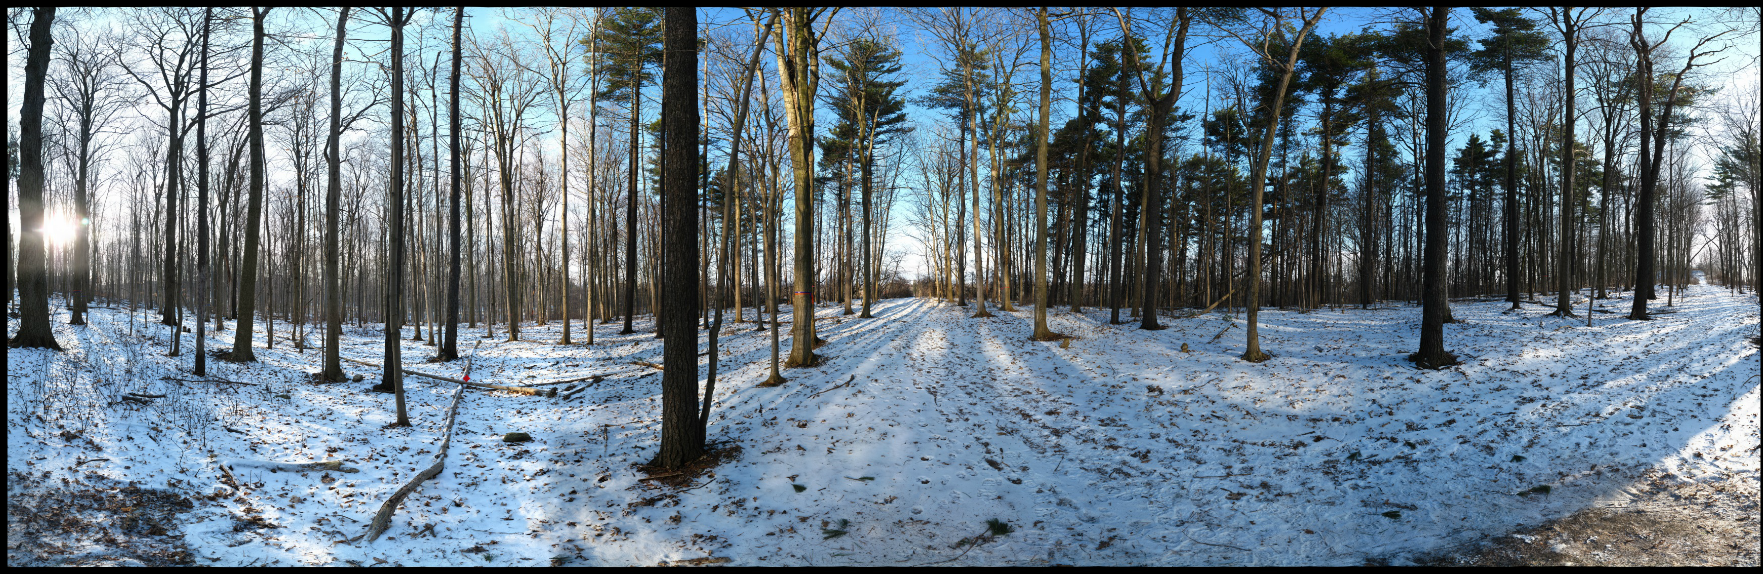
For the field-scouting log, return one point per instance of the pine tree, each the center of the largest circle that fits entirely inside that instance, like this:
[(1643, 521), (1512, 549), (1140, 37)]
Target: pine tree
[(1432, 353), (1514, 43), (682, 439), (628, 47)]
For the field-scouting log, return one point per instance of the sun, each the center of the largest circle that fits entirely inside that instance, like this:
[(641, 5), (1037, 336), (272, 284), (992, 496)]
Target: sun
[(59, 230)]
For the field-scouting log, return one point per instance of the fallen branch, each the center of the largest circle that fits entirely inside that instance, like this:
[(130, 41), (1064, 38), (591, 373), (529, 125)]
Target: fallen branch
[(84, 461), (383, 519), (335, 465), (1209, 307), (521, 390), (231, 481), (205, 381), (659, 476), (1191, 539), (595, 378), (846, 383), (649, 364), (1221, 333), (135, 399), (147, 396)]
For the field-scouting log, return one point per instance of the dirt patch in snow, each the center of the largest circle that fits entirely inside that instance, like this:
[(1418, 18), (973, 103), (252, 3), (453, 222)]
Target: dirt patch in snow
[(1664, 521), (73, 523)]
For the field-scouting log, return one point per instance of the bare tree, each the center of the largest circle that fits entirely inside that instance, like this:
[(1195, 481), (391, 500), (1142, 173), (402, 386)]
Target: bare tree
[(90, 87), (450, 341), (1654, 132), (509, 93), (201, 367), (332, 369), (798, 55), (556, 30), (1275, 27), (33, 282), (247, 300), (392, 374)]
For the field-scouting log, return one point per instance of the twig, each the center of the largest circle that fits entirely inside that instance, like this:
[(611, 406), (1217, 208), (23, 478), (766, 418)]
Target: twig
[(147, 396), (83, 462), (846, 383), (972, 542), (1191, 539), (233, 482), (660, 476)]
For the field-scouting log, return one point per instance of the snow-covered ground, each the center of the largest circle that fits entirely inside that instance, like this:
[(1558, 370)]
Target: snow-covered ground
[(1120, 449)]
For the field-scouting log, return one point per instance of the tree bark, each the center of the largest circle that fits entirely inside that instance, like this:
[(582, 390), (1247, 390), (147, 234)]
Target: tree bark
[(333, 197), (34, 330), (682, 437), (247, 300), (1041, 331), (450, 341), (201, 366), (391, 376), (1432, 353)]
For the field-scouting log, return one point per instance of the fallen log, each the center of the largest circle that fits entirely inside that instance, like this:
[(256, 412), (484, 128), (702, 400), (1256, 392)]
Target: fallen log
[(1208, 308), (521, 390), (383, 519), (335, 465), (595, 378), (205, 381)]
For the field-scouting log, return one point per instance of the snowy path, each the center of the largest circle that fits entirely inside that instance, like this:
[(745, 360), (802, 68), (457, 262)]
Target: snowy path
[(1121, 449)]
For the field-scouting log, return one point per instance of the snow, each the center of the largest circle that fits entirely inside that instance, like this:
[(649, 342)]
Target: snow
[(1121, 449)]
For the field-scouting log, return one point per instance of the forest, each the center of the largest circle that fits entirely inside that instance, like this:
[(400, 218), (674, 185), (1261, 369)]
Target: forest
[(1203, 286)]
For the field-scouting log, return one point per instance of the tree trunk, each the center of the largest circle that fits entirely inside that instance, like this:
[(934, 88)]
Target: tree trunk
[(1041, 331), (1258, 179), (34, 330), (797, 67), (1563, 262), (333, 196), (630, 213), (391, 376), (247, 301), (450, 341), (682, 439), (1432, 353), (201, 367)]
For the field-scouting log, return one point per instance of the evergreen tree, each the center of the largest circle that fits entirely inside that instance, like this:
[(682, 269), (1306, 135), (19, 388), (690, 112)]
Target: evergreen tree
[(868, 112), (629, 47), (1514, 43)]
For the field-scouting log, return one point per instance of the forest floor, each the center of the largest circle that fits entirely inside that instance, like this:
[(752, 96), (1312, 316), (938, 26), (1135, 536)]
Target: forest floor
[(1552, 442)]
